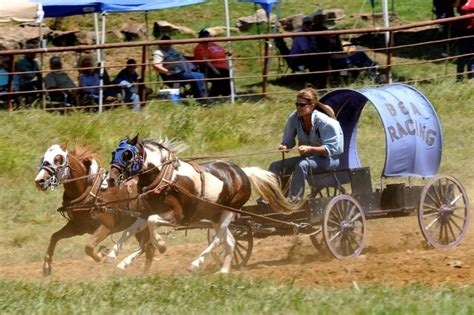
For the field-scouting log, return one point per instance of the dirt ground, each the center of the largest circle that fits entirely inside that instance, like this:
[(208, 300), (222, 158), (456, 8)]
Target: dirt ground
[(395, 254)]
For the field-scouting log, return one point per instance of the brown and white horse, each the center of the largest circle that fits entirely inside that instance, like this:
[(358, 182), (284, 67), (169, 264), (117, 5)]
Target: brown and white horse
[(175, 192), (81, 177)]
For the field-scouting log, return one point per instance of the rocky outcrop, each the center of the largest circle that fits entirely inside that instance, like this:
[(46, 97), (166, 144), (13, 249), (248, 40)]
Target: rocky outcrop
[(260, 17), (16, 37), (165, 28)]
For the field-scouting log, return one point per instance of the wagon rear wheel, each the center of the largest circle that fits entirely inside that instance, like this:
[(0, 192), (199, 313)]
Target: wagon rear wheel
[(443, 212), (243, 245), (344, 227)]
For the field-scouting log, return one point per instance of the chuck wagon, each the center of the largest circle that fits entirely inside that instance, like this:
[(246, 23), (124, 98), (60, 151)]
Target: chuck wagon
[(343, 200)]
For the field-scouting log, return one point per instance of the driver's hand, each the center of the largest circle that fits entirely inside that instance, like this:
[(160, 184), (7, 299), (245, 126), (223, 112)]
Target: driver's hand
[(283, 148)]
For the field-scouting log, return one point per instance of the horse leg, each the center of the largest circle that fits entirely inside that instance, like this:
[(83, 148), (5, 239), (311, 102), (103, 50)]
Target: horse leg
[(99, 235), (149, 248), (145, 246), (133, 229), (229, 245), (127, 261), (69, 230), (155, 237), (221, 231)]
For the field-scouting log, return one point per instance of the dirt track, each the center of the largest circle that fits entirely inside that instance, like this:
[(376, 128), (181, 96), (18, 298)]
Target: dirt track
[(395, 254)]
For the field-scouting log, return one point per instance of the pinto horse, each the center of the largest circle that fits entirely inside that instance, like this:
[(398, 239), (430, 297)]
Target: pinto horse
[(81, 177), (175, 192)]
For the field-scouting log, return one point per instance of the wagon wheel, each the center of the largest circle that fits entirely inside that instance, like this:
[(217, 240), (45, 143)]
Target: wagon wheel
[(443, 212), (344, 227), (317, 237), (243, 245)]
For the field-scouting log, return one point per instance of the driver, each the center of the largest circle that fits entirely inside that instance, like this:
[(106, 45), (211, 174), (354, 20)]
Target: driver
[(320, 141)]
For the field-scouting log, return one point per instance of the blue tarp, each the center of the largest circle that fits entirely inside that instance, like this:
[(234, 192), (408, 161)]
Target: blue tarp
[(412, 129), (267, 5), (62, 8)]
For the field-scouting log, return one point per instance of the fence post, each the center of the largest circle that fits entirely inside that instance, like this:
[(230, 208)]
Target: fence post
[(266, 59), (388, 73), (141, 88)]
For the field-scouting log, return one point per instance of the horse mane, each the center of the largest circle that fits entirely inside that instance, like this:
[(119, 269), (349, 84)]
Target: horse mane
[(83, 153), (173, 145)]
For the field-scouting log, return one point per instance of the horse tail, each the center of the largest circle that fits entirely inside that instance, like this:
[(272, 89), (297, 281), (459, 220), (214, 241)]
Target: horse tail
[(267, 185)]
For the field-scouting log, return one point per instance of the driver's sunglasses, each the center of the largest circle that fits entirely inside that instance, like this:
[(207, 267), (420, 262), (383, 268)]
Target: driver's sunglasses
[(301, 104)]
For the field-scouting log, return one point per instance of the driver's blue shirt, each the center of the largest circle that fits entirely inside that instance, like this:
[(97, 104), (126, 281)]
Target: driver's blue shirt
[(326, 132)]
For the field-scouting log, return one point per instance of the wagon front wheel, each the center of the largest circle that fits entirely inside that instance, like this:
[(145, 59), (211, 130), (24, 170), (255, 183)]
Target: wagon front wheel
[(443, 212), (243, 245), (344, 227)]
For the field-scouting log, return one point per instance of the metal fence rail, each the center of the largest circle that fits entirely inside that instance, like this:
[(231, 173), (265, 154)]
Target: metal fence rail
[(270, 62)]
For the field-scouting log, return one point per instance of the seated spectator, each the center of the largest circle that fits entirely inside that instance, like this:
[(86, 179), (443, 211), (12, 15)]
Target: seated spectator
[(333, 43), (126, 77), (444, 8), (58, 79), (3, 76), (303, 45), (171, 64), (215, 66), (31, 80)]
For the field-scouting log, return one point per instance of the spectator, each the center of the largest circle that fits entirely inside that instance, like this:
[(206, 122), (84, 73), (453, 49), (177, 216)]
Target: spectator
[(333, 43), (126, 78), (303, 45), (58, 79), (89, 80), (465, 45), (4, 74), (444, 8), (173, 66), (215, 66), (31, 80)]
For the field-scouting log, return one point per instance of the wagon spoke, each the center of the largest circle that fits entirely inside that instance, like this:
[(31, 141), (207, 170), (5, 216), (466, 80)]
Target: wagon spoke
[(457, 216), (448, 224), (356, 217), (431, 224), (338, 234), (436, 202), (333, 222), (430, 214), (455, 200), (429, 206), (455, 223)]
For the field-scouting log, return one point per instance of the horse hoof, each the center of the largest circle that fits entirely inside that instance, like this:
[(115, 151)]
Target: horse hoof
[(162, 248), (192, 269), (46, 271), (109, 260)]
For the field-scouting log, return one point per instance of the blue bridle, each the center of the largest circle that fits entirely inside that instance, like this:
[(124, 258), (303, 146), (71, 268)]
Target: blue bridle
[(126, 157)]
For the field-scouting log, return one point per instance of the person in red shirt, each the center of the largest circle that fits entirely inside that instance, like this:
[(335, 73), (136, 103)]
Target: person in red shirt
[(214, 63)]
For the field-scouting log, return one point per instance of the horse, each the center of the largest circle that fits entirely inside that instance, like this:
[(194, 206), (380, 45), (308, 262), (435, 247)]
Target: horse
[(81, 177), (176, 193)]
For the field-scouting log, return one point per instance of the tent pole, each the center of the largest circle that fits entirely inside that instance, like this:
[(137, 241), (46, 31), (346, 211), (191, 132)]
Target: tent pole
[(229, 52), (101, 71), (386, 21), (41, 45)]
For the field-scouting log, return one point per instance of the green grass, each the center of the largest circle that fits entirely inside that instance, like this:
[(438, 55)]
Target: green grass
[(225, 295), (29, 216)]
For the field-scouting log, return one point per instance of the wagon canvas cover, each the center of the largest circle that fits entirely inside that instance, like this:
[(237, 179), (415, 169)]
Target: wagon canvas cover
[(412, 129)]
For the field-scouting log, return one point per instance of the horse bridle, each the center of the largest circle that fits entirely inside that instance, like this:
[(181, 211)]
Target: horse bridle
[(57, 173), (128, 160)]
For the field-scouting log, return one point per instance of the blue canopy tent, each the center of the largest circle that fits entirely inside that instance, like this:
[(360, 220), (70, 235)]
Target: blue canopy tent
[(412, 129), (63, 8)]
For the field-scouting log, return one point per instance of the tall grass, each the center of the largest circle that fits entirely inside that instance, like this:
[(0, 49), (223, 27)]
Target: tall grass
[(225, 295)]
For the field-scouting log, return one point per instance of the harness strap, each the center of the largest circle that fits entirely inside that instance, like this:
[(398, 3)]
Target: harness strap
[(198, 168), (166, 173), (92, 190)]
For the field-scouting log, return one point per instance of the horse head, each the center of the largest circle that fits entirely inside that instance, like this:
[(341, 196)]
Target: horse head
[(133, 157), (53, 167), (127, 160)]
